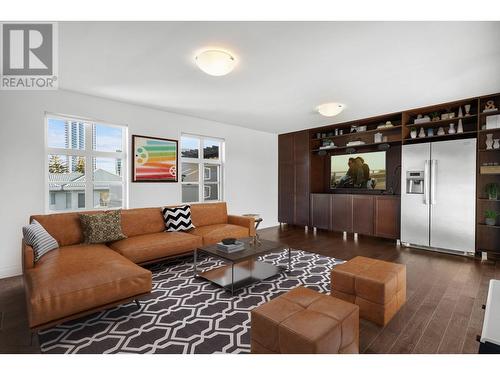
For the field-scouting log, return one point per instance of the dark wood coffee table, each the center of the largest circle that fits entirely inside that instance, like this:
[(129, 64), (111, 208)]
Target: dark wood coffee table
[(242, 268)]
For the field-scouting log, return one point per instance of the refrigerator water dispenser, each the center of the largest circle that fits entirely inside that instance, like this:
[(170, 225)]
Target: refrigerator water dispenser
[(415, 182)]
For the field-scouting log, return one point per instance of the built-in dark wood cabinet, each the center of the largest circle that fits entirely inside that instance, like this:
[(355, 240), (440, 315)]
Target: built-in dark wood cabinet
[(321, 211), (372, 215), (293, 178), (301, 173), (307, 198), (286, 178), (387, 216), (362, 214), (342, 212)]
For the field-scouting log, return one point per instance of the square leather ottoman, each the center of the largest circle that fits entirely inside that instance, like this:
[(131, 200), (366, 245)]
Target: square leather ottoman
[(376, 286), (305, 321)]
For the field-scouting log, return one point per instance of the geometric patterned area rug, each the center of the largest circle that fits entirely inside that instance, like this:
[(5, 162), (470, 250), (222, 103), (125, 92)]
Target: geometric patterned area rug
[(184, 314)]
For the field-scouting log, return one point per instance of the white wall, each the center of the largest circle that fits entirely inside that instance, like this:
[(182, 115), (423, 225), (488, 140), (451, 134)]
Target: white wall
[(251, 173)]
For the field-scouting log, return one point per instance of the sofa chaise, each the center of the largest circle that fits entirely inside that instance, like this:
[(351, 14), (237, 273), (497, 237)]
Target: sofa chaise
[(77, 279)]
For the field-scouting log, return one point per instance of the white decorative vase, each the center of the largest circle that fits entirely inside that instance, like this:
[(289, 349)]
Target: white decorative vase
[(440, 131), (496, 144), (413, 134), (489, 141), (460, 128), (452, 130), (467, 109), (421, 134)]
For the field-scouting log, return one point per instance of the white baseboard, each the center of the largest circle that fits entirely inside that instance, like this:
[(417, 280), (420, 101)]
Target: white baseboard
[(10, 271)]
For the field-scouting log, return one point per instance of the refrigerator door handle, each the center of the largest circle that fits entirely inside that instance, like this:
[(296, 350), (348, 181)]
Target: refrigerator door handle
[(426, 182), (433, 181)]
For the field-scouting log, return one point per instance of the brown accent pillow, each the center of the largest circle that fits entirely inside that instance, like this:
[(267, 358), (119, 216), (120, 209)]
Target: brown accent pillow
[(102, 227)]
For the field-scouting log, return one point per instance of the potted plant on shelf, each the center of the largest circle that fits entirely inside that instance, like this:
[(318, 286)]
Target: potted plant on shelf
[(435, 116), (490, 217), (492, 191), (413, 132)]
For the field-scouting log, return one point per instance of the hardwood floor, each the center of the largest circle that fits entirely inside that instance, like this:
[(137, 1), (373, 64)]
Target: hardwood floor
[(445, 293), (442, 313)]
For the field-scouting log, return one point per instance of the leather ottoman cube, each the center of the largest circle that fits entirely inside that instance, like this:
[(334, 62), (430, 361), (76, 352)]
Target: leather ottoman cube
[(377, 287), (305, 321)]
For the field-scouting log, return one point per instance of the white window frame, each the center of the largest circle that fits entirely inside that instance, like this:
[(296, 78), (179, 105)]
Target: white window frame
[(88, 153), (201, 161)]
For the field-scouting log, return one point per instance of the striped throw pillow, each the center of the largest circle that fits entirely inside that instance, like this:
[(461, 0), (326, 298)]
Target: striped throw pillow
[(177, 218), (39, 239)]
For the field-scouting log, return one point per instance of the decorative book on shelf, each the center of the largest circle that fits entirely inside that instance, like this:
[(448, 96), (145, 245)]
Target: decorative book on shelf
[(490, 169)]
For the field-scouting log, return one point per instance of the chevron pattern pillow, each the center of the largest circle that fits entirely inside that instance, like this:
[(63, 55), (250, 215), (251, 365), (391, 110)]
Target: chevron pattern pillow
[(177, 218), (39, 239)]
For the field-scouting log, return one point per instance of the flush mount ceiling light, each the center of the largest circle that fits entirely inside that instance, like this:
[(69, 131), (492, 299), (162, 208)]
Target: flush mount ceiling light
[(215, 62), (330, 109)]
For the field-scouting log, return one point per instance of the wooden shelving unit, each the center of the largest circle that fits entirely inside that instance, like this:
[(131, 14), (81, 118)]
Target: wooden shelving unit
[(490, 113), (357, 147), (319, 136), (489, 226), (487, 236), (432, 124), (351, 135), (489, 130)]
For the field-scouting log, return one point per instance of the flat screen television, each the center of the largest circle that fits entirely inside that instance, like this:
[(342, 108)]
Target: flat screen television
[(365, 170)]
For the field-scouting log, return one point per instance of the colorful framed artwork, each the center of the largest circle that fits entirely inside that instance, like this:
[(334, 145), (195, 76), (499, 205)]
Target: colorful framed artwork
[(154, 159)]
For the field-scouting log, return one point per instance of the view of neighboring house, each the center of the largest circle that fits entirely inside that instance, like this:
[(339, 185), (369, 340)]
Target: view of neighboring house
[(67, 190)]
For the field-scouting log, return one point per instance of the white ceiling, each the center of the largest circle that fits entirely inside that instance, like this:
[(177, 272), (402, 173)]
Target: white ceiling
[(285, 68)]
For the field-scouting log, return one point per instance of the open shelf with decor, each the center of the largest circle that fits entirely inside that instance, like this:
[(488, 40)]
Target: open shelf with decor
[(440, 122), (366, 132), (359, 147), (488, 176), (443, 137)]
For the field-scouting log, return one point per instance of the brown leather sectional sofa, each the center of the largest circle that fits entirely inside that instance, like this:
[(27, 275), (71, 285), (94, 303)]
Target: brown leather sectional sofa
[(78, 278)]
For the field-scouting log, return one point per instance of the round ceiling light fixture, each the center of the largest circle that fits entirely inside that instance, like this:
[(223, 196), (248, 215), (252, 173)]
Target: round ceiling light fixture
[(215, 62), (330, 109)]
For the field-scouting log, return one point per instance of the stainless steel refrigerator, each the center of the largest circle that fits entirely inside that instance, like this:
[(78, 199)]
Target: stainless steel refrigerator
[(438, 195)]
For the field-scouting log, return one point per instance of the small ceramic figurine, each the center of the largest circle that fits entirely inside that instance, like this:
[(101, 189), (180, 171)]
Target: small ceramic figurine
[(440, 131), (460, 112), (413, 133), (489, 106), (421, 134), (489, 141), (496, 144), (452, 130)]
